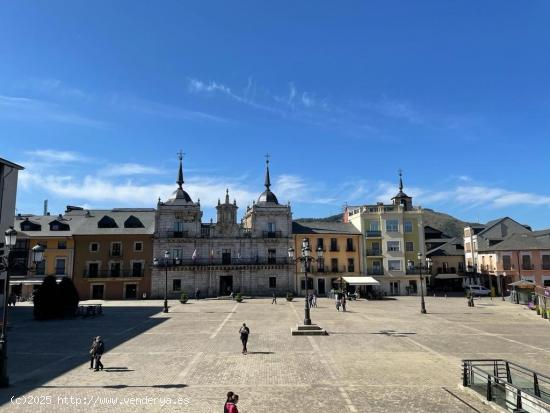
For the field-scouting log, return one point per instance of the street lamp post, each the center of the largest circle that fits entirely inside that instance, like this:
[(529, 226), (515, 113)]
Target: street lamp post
[(37, 256), (306, 259), (502, 285), (420, 268), (166, 258)]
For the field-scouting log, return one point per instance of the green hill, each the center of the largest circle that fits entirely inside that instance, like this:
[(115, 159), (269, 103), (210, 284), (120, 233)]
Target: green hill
[(450, 225)]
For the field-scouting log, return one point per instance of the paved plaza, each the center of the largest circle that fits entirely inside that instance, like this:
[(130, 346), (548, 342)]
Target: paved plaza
[(380, 356)]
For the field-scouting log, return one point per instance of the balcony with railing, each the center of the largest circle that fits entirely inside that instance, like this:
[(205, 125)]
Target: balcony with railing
[(373, 234), (178, 234), (527, 267), (272, 234), (60, 271), (181, 262), (374, 252), (112, 273), (545, 266), (375, 271)]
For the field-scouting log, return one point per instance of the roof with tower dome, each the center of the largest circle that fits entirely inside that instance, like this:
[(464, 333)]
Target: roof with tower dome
[(267, 197), (179, 195)]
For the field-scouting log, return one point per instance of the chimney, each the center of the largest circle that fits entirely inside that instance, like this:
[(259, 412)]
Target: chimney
[(46, 207)]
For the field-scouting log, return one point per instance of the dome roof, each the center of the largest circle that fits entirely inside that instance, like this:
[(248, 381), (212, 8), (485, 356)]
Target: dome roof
[(180, 194), (268, 197)]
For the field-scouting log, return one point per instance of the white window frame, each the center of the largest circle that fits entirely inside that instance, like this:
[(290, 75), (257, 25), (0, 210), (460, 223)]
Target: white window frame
[(392, 230), (111, 249), (136, 243), (90, 246), (64, 259), (394, 269), (393, 249)]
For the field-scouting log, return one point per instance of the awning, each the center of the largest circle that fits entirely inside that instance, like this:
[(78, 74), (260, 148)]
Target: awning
[(448, 276), (361, 280)]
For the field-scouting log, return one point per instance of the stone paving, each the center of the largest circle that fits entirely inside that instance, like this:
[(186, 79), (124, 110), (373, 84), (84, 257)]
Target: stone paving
[(380, 356)]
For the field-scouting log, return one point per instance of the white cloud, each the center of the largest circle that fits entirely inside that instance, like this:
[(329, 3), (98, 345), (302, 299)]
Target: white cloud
[(35, 110), (129, 169), (296, 189), (52, 155)]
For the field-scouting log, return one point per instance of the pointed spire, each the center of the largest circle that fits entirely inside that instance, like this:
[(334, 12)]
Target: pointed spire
[(267, 180), (227, 196), (180, 180), (400, 180)]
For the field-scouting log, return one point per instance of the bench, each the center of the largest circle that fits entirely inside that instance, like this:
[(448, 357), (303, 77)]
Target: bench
[(87, 310)]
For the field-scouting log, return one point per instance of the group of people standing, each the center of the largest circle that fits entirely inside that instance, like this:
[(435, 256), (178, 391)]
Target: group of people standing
[(341, 301)]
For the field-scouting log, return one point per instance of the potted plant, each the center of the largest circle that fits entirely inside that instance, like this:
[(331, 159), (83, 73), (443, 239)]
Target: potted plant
[(289, 296), (239, 298), (184, 298)]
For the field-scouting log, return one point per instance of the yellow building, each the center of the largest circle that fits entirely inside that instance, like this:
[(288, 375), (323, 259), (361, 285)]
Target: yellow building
[(55, 233), (393, 238), (341, 246)]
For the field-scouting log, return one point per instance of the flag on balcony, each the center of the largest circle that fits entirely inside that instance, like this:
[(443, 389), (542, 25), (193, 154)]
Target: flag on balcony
[(194, 256)]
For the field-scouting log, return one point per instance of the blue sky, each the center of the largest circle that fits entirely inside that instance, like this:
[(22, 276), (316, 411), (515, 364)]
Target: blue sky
[(97, 97)]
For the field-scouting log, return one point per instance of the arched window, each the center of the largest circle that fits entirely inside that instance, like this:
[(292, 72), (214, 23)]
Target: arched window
[(133, 222), (107, 222)]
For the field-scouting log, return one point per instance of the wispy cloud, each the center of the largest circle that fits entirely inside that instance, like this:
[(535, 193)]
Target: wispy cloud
[(53, 155), (35, 110), (130, 169)]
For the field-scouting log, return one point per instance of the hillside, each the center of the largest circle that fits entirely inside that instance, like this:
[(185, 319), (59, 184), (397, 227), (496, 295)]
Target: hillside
[(444, 222)]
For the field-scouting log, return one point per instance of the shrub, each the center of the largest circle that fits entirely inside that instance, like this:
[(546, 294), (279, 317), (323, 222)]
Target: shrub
[(184, 298), (52, 300), (289, 296), (239, 297)]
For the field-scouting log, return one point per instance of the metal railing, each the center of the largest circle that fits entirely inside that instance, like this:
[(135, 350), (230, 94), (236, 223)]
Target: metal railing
[(508, 384), (175, 262), (272, 234), (112, 273), (375, 272), (376, 253), (373, 234)]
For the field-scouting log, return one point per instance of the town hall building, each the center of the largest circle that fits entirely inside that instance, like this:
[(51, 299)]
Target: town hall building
[(217, 258)]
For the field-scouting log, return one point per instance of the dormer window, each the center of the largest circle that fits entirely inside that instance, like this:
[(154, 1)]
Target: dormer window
[(59, 226), (30, 226), (133, 222), (107, 222)]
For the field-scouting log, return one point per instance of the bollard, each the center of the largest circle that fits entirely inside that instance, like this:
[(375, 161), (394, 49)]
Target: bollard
[(489, 389)]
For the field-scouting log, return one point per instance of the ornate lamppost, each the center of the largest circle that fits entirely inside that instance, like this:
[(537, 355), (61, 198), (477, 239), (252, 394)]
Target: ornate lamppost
[(157, 264), (421, 266), (37, 257), (306, 259)]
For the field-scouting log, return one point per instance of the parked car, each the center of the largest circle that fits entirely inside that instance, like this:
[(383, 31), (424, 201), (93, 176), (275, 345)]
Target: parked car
[(478, 290)]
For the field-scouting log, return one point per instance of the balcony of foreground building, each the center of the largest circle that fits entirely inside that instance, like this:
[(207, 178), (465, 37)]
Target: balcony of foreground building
[(374, 252), (373, 234), (228, 261), (113, 274)]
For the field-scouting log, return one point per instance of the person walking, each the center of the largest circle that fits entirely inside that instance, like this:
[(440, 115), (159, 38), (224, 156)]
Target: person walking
[(228, 401), (344, 302), (338, 301), (92, 352), (274, 300), (99, 350), (244, 331), (314, 300), (197, 294), (231, 404)]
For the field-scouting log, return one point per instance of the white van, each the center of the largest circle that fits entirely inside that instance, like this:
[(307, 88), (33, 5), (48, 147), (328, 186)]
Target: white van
[(478, 290)]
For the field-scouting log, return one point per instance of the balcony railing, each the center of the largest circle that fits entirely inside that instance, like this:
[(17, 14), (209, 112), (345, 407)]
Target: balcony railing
[(112, 273), (374, 253), (272, 234), (177, 262), (446, 270), (350, 248), (375, 271), (373, 234), (527, 267), (115, 253), (178, 234), (334, 248), (546, 266)]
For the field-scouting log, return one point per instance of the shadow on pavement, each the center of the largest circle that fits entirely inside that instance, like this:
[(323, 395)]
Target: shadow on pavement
[(40, 351)]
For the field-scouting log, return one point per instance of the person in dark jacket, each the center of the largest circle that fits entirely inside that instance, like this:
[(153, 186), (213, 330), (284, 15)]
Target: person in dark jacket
[(99, 349), (92, 353), (244, 331)]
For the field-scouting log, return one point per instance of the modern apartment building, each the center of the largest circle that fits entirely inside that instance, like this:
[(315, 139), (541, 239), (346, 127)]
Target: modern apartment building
[(341, 244), (393, 235), (113, 252)]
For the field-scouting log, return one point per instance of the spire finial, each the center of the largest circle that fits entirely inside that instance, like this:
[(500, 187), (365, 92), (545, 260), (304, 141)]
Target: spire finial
[(180, 180), (267, 180), (400, 179), (227, 196)]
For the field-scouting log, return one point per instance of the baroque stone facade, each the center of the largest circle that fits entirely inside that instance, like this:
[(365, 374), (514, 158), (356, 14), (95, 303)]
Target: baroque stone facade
[(250, 257)]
